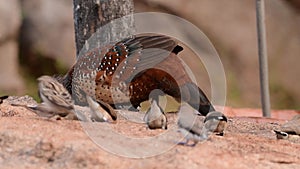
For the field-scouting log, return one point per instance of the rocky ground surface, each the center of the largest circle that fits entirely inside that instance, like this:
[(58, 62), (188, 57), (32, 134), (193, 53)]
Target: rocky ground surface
[(29, 141)]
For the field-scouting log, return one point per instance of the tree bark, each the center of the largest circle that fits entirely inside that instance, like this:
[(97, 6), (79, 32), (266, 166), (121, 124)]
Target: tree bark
[(90, 15)]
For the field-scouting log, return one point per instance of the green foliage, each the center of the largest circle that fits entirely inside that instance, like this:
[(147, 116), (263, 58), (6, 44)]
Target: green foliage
[(282, 98), (233, 92), (33, 66)]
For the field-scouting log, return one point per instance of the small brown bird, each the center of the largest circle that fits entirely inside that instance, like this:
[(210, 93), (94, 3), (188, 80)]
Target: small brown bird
[(56, 100), (289, 130), (216, 122), (191, 125), (155, 117), (54, 94)]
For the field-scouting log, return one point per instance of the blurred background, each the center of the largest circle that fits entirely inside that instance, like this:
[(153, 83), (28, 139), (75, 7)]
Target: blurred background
[(37, 37)]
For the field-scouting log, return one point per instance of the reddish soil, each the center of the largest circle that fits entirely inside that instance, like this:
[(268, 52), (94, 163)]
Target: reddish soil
[(29, 141)]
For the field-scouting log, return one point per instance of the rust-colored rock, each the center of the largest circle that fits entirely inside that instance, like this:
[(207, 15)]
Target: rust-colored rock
[(28, 141)]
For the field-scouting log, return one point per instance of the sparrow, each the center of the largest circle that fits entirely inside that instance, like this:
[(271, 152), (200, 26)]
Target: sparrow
[(289, 130), (216, 122), (155, 117), (56, 100), (54, 96), (191, 125)]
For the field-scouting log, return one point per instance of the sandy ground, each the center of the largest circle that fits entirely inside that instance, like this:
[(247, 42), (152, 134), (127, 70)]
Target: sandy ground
[(29, 141)]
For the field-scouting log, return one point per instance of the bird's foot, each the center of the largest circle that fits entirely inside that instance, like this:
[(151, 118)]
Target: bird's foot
[(186, 143)]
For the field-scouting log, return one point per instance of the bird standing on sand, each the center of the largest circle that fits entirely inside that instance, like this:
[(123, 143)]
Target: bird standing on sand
[(196, 127), (56, 100), (191, 125), (155, 117), (290, 130), (216, 122)]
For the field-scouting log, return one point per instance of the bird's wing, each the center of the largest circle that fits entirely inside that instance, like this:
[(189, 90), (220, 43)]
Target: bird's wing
[(196, 98), (132, 55), (189, 120)]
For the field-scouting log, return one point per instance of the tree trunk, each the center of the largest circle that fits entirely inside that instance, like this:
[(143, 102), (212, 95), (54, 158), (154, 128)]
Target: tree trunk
[(90, 15)]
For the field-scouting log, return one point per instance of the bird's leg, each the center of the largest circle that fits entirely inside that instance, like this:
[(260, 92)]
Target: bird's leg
[(183, 142), (186, 143), (193, 145)]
